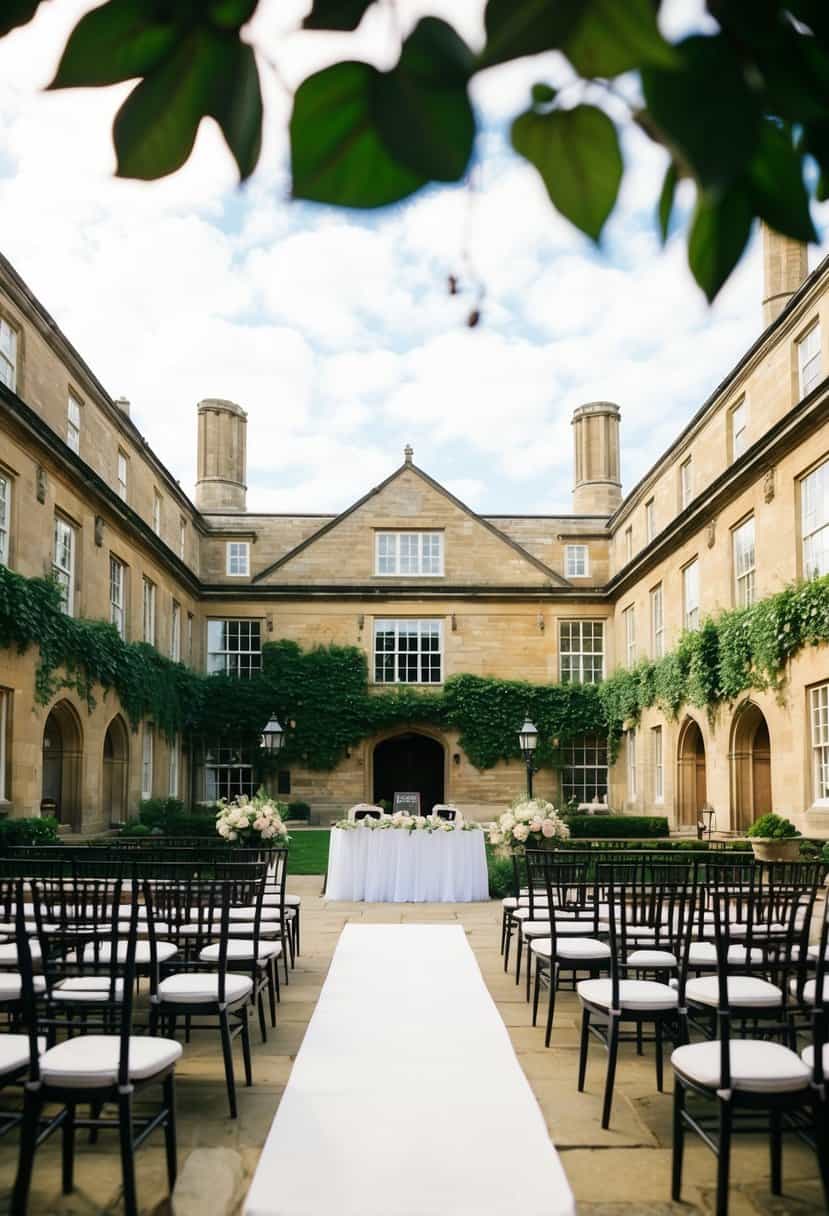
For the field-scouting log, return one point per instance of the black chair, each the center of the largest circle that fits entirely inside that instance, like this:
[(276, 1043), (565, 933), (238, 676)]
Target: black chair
[(196, 913), (104, 1064), (633, 916), (747, 1078)]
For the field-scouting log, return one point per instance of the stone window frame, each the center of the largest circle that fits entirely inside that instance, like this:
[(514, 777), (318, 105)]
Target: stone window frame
[(16, 326), (658, 757), (817, 699), (744, 581), (158, 505), (245, 667), (243, 549), (629, 622), (149, 610), (687, 623), (581, 653), (114, 608), (7, 517), (812, 328), (422, 653), (74, 419), (821, 465), (656, 595), (122, 455), (740, 407), (650, 519), (71, 571), (579, 552), (175, 630), (630, 764), (686, 482), (398, 533)]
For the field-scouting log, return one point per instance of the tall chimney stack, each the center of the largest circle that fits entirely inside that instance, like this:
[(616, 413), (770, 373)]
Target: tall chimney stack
[(598, 483), (222, 456), (785, 266)]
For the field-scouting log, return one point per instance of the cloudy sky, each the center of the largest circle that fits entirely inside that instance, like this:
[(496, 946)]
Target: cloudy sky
[(335, 329)]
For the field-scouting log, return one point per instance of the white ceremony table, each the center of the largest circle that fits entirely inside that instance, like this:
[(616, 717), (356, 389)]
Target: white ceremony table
[(406, 1097), (398, 865)]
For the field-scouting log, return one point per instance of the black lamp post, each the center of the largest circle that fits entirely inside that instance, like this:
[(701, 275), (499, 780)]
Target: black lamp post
[(528, 740), (273, 736)]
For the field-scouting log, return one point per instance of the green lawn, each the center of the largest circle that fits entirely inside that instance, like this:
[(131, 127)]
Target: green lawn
[(309, 851)]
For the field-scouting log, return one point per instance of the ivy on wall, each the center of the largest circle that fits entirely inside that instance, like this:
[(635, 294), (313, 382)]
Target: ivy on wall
[(738, 651), (324, 698)]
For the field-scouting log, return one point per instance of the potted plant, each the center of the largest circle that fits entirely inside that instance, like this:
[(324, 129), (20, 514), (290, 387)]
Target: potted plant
[(774, 838)]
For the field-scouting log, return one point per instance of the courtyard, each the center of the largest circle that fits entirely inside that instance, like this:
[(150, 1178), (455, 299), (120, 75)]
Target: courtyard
[(620, 1171)]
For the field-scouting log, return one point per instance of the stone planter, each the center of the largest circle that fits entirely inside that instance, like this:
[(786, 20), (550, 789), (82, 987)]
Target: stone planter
[(766, 848)]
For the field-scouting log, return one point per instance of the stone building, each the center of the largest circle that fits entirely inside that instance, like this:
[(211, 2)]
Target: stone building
[(735, 509)]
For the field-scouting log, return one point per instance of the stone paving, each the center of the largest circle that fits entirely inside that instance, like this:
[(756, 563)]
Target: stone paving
[(614, 1173)]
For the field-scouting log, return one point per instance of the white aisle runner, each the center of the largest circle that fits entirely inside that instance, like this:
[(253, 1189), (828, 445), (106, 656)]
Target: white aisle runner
[(406, 1097)]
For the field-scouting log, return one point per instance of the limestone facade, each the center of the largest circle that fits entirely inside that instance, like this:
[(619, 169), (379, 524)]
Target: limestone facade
[(427, 587)]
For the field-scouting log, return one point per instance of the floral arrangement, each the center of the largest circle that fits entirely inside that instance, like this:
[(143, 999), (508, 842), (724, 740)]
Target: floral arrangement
[(251, 820), (400, 821), (529, 824)]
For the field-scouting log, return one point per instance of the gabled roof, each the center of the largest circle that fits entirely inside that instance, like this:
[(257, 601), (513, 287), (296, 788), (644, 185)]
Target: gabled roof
[(410, 467)]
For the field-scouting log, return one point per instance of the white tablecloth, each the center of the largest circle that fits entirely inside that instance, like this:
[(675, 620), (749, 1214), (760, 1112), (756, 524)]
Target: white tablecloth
[(406, 1098), (392, 865)]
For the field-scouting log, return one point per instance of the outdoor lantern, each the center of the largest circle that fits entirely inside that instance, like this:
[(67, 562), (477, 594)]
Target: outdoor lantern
[(273, 735), (528, 737)]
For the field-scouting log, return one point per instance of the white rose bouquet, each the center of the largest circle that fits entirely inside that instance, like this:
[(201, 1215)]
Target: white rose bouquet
[(252, 821), (529, 824)]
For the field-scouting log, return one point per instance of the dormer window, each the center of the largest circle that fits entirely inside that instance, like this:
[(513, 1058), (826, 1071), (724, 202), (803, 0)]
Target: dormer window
[(410, 554)]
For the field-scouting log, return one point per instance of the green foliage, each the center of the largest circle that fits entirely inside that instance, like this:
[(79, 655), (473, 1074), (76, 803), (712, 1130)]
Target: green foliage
[(742, 111), (501, 874), (79, 654), (736, 652), (157, 814), (134, 828), (299, 810), (773, 827), (15, 832), (610, 826)]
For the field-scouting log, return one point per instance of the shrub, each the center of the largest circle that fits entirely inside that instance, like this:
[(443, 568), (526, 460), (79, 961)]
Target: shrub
[(773, 827), (28, 831), (299, 810), (618, 826), (160, 813), (134, 828), (501, 881), (191, 825)]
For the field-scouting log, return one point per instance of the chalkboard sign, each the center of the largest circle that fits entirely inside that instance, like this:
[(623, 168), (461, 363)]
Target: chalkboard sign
[(407, 802)]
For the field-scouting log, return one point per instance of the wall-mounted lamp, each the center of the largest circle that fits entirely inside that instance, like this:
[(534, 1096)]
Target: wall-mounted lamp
[(454, 623), (540, 621), (456, 758), (269, 619), (361, 620)]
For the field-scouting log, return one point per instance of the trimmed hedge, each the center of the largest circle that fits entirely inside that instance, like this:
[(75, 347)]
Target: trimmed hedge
[(28, 831), (617, 826)]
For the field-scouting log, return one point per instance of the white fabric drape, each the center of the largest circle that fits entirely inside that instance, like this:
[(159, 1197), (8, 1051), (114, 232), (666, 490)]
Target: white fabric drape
[(406, 1097), (392, 865)]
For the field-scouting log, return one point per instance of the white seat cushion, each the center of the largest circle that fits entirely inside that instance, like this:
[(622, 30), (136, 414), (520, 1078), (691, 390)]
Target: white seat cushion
[(269, 915), (814, 951), (86, 988), (809, 989), (651, 958), (756, 1065), (535, 928), (293, 901), (91, 1060), (578, 928), (633, 994), (164, 951), (14, 1052), (240, 949), (807, 1055), (744, 992), (571, 949), (8, 953), (509, 902), (202, 988), (704, 954), (11, 986)]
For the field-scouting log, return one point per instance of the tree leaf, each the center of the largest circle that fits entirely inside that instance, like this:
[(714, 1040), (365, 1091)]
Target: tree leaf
[(577, 154), (208, 74), (421, 108), (612, 38), (776, 187), (542, 94), (336, 14), (17, 12), (118, 41), (337, 155), (705, 111), (600, 37), (719, 232), (231, 14), (666, 200)]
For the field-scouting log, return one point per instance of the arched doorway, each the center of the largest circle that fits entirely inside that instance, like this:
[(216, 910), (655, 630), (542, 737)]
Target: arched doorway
[(750, 762), (692, 790), (409, 762), (62, 759), (115, 768)]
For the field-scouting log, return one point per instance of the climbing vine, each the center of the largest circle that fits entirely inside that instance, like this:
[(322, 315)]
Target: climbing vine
[(324, 699), (735, 652)]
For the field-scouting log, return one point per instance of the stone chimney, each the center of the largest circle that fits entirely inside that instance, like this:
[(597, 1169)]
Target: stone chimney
[(222, 456), (598, 484), (785, 266), (123, 405)]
